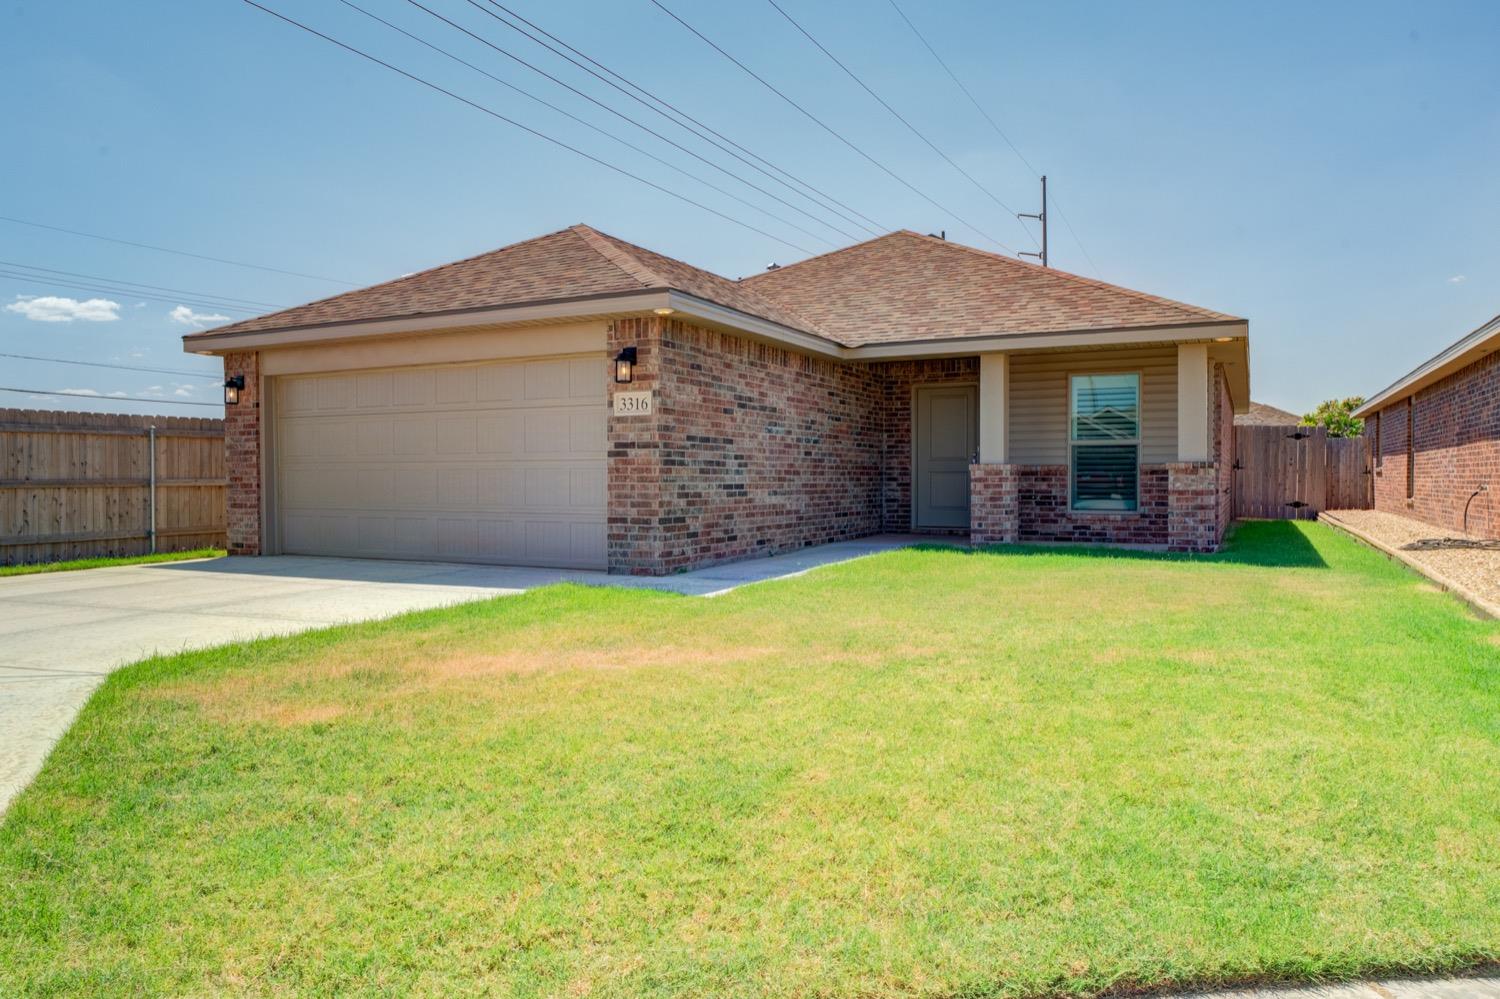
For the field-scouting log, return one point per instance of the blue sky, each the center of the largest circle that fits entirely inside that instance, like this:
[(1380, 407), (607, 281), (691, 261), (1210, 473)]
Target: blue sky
[(1327, 170)]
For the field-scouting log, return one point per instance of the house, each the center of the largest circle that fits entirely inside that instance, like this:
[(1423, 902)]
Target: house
[(575, 400), (1262, 415), (1436, 437)]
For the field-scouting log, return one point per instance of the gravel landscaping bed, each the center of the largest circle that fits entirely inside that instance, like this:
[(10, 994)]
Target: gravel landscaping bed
[(1475, 569)]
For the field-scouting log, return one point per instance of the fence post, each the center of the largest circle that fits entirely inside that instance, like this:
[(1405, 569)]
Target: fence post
[(151, 501)]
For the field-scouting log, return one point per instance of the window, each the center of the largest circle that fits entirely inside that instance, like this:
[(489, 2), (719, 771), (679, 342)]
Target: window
[(1411, 450), (1104, 435), (1379, 455)]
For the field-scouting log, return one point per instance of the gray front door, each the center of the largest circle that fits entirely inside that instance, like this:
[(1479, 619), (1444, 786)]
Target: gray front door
[(946, 432)]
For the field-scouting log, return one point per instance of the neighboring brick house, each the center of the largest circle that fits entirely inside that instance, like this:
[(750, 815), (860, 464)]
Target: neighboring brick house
[(576, 400), (1436, 437)]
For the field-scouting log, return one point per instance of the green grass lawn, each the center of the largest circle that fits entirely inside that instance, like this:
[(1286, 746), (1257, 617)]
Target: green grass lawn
[(100, 563), (1010, 773)]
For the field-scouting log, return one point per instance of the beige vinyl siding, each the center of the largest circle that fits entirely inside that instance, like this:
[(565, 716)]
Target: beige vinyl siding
[(1039, 400)]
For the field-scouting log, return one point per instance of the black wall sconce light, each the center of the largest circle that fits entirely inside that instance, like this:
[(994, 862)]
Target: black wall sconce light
[(625, 366), (233, 386)]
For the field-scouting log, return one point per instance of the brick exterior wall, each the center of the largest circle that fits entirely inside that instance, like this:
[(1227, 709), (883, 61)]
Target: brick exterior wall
[(994, 501), (899, 380), (1193, 507), (242, 457), (1457, 449), (1045, 516), (751, 450)]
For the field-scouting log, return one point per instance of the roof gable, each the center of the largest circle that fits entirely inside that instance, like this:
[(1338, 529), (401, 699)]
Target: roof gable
[(906, 286)]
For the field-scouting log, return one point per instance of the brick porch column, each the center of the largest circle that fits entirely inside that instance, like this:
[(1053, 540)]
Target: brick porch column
[(1192, 506), (994, 504), (634, 477), (242, 457)]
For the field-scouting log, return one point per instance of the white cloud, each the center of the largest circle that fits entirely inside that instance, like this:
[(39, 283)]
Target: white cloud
[(187, 317), (1458, 279), (182, 388), (75, 391), (52, 309)]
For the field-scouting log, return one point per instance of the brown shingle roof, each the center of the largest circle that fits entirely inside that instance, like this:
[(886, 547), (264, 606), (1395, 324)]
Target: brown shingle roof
[(1262, 415), (899, 287), (906, 286), (576, 262)]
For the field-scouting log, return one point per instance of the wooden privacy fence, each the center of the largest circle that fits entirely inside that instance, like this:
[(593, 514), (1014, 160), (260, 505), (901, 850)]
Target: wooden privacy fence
[(1298, 472), (79, 485)]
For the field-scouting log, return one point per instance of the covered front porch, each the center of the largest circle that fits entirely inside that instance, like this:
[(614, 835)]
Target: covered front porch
[(1121, 446)]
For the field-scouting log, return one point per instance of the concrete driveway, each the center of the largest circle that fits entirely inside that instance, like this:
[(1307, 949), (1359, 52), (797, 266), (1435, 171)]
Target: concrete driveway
[(62, 633)]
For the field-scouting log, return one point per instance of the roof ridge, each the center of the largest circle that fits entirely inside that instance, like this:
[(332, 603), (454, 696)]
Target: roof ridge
[(824, 256), (606, 246), (1196, 310), (618, 245)]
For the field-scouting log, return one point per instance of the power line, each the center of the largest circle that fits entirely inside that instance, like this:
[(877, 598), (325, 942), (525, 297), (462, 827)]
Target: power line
[(998, 130), (180, 253), (830, 130), (587, 124), (149, 287), (541, 72), (528, 129), (120, 292), (697, 128), (101, 364), (106, 398), (897, 114)]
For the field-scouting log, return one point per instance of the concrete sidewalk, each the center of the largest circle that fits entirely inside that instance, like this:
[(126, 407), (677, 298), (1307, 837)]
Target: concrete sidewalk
[(1478, 987), (61, 633)]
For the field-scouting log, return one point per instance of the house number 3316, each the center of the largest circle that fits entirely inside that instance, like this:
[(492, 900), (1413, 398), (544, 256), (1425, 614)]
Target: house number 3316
[(632, 403)]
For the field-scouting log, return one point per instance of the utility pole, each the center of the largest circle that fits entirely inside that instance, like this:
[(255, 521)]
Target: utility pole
[(1042, 218)]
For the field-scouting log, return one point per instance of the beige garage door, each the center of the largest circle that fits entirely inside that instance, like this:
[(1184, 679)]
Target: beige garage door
[(496, 462)]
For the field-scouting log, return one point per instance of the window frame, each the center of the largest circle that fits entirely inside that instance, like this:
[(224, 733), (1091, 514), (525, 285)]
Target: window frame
[(1139, 441), (1411, 448)]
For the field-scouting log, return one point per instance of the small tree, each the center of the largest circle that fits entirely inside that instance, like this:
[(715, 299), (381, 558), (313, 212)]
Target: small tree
[(1337, 417)]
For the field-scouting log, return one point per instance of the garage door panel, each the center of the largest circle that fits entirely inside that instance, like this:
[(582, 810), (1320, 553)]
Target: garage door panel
[(548, 380), (499, 382), (458, 487), (457, 537), (495, 433), (414, 489), (375, 488), (414, 435), (585, 378), (372, 390), (411, 387), (457, 434), (416, 536), (501, 488), (336, 392), (373, 437), (454, 385), (376, 535), (586, 432), (587, 489), (545, 434), (498, 462)]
